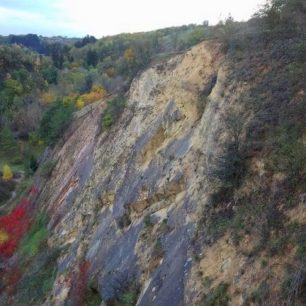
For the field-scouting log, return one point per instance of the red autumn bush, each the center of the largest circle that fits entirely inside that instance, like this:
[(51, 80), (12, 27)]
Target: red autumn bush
[(11, 278), (34, 190), (79, 284), (14, 225)]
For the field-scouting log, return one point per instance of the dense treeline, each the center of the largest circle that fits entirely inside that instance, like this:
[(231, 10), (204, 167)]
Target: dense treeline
[(41, 78)]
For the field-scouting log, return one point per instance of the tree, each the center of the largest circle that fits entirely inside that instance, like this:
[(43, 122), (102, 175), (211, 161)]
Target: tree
[(30, 41), (57, 54), (84, 41), (92, 58), (7, 140), (227, 30), (48, 97), (80, 103), (107, 120), (50, 74), (97, 92), (7, 173), (229, 166), (55, 121), (113, 111), (13, 87), (129, 56), (283, 15)]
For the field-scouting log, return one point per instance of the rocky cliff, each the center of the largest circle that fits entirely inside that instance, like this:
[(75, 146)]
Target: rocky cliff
[(149, 167), (135, 210)]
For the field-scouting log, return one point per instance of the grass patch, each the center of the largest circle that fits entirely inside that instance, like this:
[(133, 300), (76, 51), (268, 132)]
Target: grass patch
[(35, 238)]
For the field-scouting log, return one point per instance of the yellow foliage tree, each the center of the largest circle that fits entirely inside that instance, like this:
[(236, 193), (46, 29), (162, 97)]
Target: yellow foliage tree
[(97, 92), (7, 173), (68, 100), (129, 56), (3, 236), (80, 103), (48, 97)]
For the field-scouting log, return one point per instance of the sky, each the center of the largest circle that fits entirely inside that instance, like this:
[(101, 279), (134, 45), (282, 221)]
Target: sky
[(76, 18)]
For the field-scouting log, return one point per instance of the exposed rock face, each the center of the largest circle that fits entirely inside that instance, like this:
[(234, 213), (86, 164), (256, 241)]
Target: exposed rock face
[(128, 200)]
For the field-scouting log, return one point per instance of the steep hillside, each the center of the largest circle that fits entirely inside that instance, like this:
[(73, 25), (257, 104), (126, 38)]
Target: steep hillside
[(189, 190)]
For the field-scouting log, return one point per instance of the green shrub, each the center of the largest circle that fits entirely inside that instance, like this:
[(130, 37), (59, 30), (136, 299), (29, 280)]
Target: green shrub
[(6, 187), (7, 141), (129, 296), (301, 243), (218, 225), (218, 296), (92, 297), (47, 168), (260, 294), (283, 16), (230, 166), (147, 221), (50, 74), (30, 162), (107, 120), (113, 111), (192, 37), (207, 281), (289, 153), (158, 250), (38, 278), (25, 185), (55, 121), (294, 285), (128, 299), (226, 31)]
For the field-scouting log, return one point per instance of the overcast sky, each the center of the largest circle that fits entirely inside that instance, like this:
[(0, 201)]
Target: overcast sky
[(106, 17)]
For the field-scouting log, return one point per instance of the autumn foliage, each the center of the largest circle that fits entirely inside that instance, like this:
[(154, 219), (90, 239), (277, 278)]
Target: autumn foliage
[(79, 284), (13, 227), (80, 103), (48, 97), (12, 277), (129, 56), (97, 93), (7, 173)]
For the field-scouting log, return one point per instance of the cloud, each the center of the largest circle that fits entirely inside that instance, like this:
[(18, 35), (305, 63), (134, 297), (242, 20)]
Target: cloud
[(99, 18), (14, 21)]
